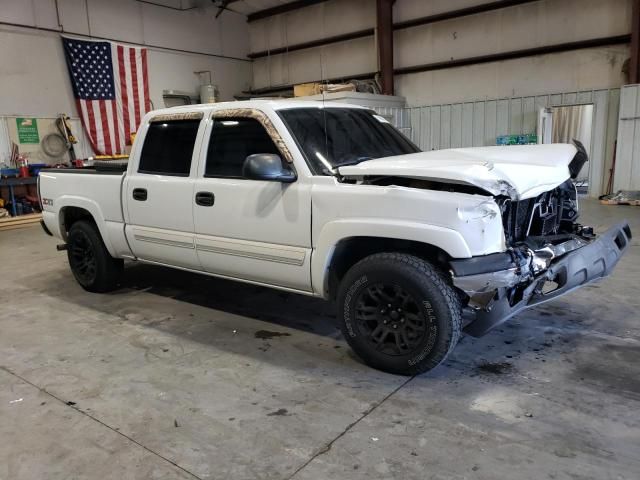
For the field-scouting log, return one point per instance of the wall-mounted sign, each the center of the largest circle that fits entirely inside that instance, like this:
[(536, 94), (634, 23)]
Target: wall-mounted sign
[(27, 130)]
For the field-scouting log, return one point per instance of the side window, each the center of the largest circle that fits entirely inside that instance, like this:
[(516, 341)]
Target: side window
[(168, 147), (232, 141)]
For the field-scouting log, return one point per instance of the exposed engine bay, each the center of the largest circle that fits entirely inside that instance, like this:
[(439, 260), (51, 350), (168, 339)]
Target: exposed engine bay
[(547, 252), (537, 231), (551, 213)]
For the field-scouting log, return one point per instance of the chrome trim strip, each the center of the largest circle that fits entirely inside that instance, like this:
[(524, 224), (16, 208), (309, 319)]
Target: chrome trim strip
[(254, 255), (162, 241)]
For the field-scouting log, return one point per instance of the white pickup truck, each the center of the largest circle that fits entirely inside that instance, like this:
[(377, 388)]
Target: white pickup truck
[(330, 200)]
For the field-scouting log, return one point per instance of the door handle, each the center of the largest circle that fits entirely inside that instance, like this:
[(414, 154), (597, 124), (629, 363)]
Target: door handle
[(205, 199), (140, 194)]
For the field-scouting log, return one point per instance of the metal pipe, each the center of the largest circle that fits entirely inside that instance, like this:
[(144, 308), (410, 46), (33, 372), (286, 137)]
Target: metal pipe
[(384, 21), (58, 16), (146, 45), (167, 6)]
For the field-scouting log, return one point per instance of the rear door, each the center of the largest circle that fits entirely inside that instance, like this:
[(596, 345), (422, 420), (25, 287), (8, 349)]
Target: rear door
[(158, 197), (253, 230)]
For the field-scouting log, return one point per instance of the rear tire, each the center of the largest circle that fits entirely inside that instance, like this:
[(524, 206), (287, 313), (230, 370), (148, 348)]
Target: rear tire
[(91, 264), (398, 313)]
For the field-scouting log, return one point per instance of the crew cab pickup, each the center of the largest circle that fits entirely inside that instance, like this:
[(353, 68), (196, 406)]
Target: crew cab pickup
[(332, 201)]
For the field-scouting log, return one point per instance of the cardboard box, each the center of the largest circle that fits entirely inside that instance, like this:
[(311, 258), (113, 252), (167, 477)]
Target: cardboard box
[(306, 89), (316, 88)]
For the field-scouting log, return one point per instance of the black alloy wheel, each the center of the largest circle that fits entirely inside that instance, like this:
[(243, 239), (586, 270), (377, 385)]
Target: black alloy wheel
[(82, 258), (91, 264), (399, 312), (391, 319)]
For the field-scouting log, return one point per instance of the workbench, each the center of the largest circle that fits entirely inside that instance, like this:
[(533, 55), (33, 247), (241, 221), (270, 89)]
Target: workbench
[(14, 182)]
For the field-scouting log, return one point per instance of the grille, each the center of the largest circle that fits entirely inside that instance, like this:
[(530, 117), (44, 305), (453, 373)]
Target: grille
[(532, 217), (515, 219)]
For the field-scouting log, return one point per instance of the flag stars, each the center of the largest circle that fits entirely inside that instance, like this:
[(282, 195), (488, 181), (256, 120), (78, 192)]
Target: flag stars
[(91, 69)]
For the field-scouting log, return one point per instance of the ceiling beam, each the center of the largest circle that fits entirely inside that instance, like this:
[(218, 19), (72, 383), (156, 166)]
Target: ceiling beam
[(463, 62), (516, 54), (449, 15), (369, 32), (284, 8), (461, 12)]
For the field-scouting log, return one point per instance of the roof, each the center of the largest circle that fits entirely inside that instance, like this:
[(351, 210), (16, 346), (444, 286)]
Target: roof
[(259, 104)]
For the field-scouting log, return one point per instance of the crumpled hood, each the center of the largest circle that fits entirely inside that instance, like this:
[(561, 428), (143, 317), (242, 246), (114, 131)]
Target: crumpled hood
[(519, 171)]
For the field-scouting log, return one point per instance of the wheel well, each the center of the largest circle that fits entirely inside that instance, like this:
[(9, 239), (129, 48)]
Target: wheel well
[(71, 215), (350, 251)]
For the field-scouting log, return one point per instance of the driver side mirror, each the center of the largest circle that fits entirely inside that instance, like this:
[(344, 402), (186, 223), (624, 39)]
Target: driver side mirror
[(267, 166)]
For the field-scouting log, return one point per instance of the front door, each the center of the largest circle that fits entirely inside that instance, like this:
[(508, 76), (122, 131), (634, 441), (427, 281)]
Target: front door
[(255, 230), (158, 197)]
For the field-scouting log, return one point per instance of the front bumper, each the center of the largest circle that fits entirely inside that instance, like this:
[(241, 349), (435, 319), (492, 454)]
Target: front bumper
[(519, 282)]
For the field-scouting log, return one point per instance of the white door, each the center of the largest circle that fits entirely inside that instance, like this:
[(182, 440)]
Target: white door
[(255, 230), (159, 199), (545, 125)]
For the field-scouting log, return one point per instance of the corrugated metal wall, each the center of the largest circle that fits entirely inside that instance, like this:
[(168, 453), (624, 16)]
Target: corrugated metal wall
[(399, 117), (627, 171), (474, 124)]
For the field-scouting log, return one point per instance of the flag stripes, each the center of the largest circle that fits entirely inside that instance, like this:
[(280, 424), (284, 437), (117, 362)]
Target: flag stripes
[(111, 87)]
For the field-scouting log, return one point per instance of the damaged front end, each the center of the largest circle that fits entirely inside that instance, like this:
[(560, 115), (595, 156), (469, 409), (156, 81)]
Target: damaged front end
[(549, 255)]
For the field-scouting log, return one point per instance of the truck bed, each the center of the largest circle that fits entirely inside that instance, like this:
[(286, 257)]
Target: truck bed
[(97, 191)]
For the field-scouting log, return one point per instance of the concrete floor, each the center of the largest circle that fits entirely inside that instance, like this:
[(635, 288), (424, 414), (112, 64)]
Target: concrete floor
[(184, 376)]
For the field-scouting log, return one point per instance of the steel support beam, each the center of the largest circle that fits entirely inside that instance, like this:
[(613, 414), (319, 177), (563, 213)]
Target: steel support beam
[(314, 43), (462, 62), (440, 17), (634, 66), (384, 23), (514, 54)]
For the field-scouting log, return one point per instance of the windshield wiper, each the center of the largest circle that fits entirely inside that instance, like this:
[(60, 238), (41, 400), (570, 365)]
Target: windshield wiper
[(348, 163)]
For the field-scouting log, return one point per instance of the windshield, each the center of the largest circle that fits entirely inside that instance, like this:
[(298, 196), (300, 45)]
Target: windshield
[(334, 137)]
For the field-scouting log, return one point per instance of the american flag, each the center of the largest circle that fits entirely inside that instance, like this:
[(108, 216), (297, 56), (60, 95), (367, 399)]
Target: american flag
[(111, 87)]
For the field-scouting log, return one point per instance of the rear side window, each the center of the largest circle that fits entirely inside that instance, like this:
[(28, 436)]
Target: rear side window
[(232, 141), (168, 147)]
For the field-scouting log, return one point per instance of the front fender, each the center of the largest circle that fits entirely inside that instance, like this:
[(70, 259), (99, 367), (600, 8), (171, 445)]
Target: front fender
[(334, 232)]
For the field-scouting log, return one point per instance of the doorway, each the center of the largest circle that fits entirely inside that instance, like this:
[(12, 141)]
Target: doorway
[(565, 123)]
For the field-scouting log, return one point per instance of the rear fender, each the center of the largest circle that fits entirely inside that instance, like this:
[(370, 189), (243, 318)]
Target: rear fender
[(94, 210)]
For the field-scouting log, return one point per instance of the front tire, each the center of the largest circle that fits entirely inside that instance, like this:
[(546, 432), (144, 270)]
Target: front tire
[(91, 264), (398, 313)]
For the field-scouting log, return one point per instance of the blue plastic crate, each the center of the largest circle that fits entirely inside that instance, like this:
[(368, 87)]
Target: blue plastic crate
[(9, 172)]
